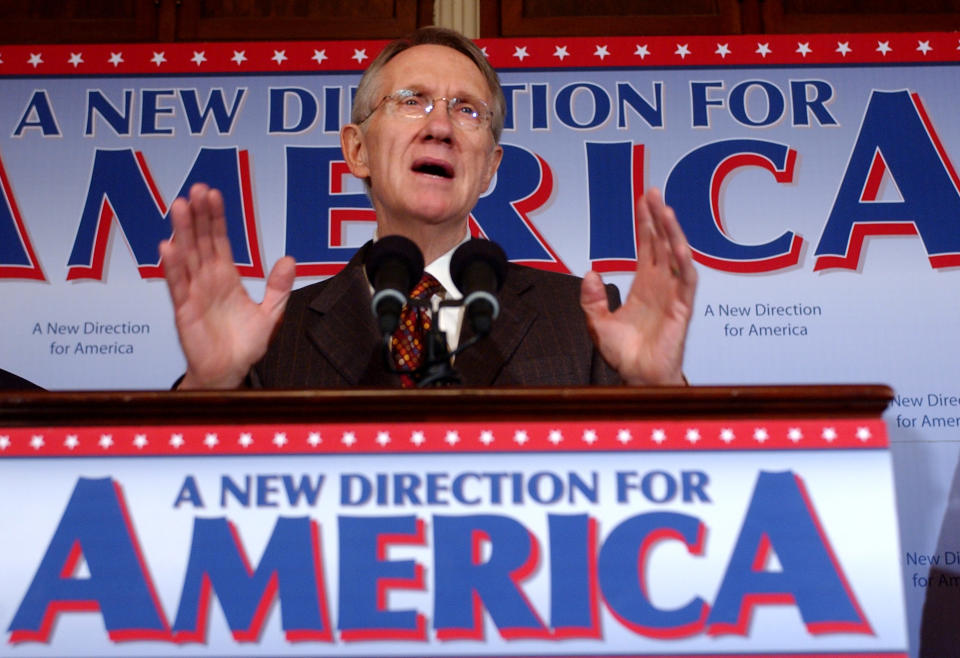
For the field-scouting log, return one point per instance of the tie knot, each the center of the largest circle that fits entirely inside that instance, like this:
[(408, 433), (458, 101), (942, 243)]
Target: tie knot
[(427, 287)]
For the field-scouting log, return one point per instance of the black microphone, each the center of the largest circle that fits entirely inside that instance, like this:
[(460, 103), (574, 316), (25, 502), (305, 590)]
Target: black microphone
[(478, 268), (394, 266)]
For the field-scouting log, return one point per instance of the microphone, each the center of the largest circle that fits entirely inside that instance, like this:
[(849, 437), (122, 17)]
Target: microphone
[(394, 266), (478, 268)]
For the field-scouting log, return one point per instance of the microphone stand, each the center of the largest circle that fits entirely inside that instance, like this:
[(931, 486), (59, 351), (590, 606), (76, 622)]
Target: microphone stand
[(437, 367)]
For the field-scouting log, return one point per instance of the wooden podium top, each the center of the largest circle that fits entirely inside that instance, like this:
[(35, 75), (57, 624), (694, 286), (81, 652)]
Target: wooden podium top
[(130, 408)]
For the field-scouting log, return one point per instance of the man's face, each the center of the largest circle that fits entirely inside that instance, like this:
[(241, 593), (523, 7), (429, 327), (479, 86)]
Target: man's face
[(427, 170)]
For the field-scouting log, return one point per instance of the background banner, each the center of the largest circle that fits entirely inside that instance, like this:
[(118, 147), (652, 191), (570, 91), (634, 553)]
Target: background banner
[(812, 175)]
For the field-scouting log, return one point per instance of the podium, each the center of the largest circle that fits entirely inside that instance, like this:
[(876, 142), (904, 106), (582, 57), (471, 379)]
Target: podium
[(452, 522)]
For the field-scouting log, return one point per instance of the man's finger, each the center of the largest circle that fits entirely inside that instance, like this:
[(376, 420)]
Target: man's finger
[(662, 248), (279, 284), (218, 227), (174, 272), (647, 240), (681, 256), (184, 237), (593, 297), (202, 201)]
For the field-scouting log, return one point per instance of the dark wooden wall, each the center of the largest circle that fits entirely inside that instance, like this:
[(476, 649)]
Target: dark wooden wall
[(90, 21), (509, 18)]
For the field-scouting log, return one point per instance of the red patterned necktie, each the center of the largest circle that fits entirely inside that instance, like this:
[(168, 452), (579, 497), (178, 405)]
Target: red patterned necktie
[(411, 335)]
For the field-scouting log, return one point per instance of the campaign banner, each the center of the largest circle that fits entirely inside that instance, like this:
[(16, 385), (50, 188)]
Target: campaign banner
[(522, 538), (812, 174)]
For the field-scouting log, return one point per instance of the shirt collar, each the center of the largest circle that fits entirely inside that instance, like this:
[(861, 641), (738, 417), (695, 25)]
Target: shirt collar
[(440, 269)]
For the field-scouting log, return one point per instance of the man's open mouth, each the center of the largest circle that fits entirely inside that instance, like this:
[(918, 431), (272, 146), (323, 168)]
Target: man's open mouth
[(433, 168)]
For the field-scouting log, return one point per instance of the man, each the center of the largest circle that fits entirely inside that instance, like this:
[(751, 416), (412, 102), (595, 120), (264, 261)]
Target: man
[(423, 138)]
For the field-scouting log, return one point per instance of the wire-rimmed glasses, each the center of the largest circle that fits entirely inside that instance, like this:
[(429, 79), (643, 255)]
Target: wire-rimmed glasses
[(466, 112)]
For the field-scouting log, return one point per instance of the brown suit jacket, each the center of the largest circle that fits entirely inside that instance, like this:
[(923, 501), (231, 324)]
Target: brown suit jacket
[(328, 337)]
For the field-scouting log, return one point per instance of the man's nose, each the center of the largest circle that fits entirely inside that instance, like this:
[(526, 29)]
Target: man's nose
[(439, 124)]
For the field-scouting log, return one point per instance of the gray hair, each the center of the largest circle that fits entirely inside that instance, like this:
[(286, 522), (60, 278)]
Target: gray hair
[(365, 101)]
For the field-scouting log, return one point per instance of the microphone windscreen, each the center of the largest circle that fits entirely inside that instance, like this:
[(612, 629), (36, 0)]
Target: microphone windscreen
[(471, 253), (390, 255), (394, 266), (478, 269)]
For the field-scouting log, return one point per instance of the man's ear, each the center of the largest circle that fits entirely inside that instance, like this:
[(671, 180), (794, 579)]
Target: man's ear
[(354, 150), (493, 164)]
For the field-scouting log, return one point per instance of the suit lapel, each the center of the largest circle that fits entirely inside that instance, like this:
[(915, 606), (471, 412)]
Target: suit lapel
[(480, 364), (343, 329), (344, 332)]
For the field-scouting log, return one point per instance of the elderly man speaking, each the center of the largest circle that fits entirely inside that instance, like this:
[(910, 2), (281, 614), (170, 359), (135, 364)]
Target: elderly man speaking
[(424, 139)]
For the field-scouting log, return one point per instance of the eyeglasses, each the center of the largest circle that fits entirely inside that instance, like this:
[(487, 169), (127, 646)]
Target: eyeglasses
[(466, 112)]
